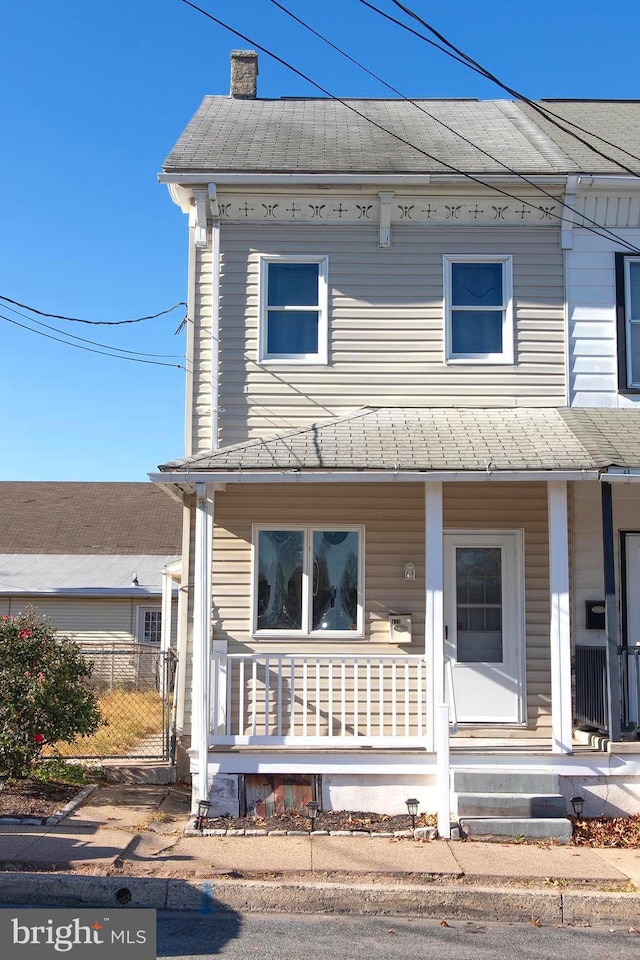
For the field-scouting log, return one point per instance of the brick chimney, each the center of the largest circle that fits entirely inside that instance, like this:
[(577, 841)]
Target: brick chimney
[(244, 74)]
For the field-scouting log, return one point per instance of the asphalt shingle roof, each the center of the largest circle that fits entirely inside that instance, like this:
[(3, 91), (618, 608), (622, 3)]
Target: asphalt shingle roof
[(320, 135), (440, 439), (88, 518)]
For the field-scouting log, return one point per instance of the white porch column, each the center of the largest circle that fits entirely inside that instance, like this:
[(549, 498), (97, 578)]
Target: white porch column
[(200, 682), (560, 633)]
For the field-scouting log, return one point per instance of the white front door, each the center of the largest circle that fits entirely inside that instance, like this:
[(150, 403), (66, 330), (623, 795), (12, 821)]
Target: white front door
[(484, 625)]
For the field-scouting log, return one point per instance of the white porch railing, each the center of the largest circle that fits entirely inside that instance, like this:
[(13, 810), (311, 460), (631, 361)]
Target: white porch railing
[(319, 699)]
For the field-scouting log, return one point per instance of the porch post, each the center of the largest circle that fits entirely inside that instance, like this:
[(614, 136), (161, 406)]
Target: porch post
[(165, 626), (614, 724), (560, 627), (200, 683), (434, 648)]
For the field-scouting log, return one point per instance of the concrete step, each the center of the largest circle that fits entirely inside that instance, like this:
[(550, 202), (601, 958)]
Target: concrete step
[(138, 771), (512, 782), (525, 805), (529, 828)]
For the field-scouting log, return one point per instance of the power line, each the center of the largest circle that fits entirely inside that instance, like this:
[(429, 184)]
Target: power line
[(395, 136), (548, 115), (155, 363), (108, 346), (97, 323), (602, 230)]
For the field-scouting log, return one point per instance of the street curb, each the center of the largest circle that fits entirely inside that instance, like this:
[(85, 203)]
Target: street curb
[(359, 899)]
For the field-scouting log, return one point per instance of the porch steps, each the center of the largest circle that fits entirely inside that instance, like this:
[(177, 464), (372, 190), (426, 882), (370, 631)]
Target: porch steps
[(514, 804)]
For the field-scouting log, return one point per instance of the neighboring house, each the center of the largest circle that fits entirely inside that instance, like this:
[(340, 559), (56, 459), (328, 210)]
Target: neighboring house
[(396, 506), (99, 559)]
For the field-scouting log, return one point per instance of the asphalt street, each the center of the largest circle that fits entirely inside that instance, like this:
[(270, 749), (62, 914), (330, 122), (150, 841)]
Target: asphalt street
[(287, 937)]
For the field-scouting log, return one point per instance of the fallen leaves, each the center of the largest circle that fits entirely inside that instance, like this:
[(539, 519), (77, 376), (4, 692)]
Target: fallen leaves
[(443, 923), (535, 921), (607, 831)]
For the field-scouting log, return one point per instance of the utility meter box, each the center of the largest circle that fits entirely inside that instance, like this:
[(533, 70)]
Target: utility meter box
[(400, 628)]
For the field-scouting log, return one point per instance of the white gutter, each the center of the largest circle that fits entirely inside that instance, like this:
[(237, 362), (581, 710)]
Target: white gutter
[(336, 179), (369, 476), (623, 182), (621, 475)]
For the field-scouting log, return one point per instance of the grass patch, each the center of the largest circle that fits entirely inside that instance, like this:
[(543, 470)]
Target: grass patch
[(129, 716), (57, 770)]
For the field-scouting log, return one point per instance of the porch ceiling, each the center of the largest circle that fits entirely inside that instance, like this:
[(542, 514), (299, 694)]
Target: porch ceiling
[(441, 439)]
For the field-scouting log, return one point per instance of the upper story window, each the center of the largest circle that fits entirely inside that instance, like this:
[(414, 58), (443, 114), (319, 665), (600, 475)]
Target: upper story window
[(628, 308), (478, 309), (307, 581), (293, 309)]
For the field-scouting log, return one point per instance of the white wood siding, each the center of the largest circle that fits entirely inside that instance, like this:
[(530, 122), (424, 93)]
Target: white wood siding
[(394, 534), (386, 327), (591, 304)]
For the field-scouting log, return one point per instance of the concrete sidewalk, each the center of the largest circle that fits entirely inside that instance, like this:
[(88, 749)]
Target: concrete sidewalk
[(126, 844)]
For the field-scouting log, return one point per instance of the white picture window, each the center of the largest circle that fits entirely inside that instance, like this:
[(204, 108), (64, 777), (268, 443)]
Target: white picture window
[(293, 309), (307, 580), (149, 624), (478, 309)]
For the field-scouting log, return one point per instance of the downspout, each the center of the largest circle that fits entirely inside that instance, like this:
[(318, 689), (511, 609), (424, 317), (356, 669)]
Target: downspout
[(215, 313)]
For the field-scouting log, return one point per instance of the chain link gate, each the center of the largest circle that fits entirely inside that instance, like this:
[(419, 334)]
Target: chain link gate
[(134, 684)]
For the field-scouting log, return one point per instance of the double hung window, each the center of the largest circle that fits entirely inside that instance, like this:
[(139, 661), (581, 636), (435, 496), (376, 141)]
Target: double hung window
[(293, 309), (478, 309), (307, 581), (149, 624), (628, 304)]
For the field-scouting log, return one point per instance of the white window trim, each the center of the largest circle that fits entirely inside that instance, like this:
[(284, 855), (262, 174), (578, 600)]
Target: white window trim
[(307, 566), (632, 383), (140, 612), (322, 356), (507, 354)]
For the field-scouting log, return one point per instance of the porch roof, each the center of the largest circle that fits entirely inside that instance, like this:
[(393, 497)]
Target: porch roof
[(440, 439)]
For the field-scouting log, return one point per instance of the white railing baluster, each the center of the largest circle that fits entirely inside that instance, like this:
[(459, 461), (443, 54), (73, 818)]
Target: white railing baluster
[(330, 698), (241, 698), (279, 700), (292, 698), (394, 699), (356, 697), (305, 690), (254, 703), (381, 698), (267, 697), (368, 682), (419, 703), (318, 679), (407, 701), (343, 698)]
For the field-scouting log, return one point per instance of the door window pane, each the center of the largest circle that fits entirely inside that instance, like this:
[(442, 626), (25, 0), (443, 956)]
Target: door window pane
[(279, 598), (479, 605), (335, 580)]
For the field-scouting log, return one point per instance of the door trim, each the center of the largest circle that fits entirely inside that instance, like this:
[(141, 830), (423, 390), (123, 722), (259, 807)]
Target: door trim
[(517, 617)]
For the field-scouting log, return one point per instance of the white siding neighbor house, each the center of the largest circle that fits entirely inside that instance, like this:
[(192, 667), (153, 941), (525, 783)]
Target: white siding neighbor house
[(406, 521), (99, 559)]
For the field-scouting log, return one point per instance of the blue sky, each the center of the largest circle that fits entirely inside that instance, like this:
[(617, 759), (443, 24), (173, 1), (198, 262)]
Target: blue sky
[(94, 95)]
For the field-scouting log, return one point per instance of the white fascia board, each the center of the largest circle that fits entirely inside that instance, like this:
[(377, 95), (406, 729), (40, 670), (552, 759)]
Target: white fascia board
[(116, 592), (620, 475), (266, 179), (370, 476)]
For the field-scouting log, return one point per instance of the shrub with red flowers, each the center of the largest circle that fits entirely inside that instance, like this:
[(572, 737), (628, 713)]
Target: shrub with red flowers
[(45, 691)]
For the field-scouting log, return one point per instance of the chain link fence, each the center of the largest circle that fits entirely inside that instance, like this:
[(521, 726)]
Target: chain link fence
[(134, 683)]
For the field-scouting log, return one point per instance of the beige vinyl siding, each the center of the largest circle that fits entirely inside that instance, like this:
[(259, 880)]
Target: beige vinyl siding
[(393, 518), (386, 326)]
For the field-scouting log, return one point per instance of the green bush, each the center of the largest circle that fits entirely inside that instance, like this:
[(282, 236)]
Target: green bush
[(45, 693)]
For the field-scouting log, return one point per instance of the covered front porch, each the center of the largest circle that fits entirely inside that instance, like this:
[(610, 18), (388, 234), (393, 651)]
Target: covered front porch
[(473, 676)]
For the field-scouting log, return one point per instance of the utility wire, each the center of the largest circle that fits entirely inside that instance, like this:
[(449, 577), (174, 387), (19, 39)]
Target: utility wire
[(602, 230), (108, 346), (155, 363), (548, 115), (97, 323), (363, 116)]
